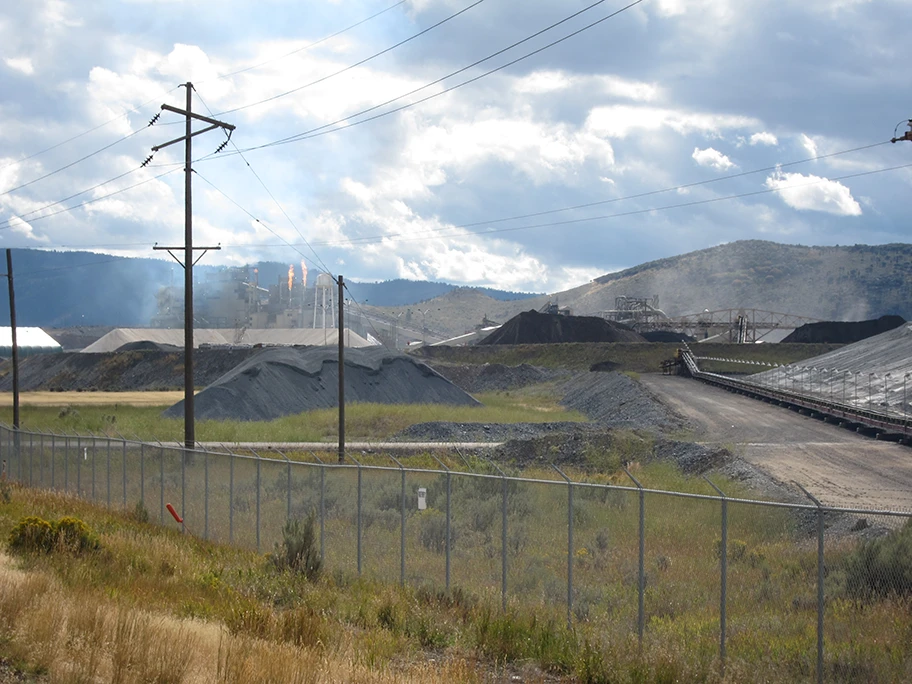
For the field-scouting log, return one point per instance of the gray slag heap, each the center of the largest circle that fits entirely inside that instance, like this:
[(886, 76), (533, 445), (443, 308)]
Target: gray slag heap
[(285, 381)]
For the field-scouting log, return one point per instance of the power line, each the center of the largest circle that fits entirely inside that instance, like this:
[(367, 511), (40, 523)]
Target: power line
[(72, 164), (269, 192), (629, 213), (91, 130), (322, 130), (65, 199), (92, 201), (306, 47), (256, 219), (355, 65)]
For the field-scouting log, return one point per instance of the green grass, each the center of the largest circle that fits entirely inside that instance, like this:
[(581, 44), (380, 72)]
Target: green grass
[(363, 422)]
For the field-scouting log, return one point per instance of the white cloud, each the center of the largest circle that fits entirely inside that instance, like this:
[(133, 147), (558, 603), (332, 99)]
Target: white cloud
[(764, 138), (713, 159), (22, 64), (621, 120), (17, 225), (812, 193), (808, 143)]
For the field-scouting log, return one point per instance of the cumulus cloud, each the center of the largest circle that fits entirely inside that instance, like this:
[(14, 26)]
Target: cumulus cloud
[(812, 193), (17, 225), (620, 121), (23, 64), (764, 138), (808, 144), (713, 159)]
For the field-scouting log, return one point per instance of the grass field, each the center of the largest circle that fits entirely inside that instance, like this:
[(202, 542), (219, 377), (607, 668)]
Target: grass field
[(226, 610), (79, 412), (61, 399)]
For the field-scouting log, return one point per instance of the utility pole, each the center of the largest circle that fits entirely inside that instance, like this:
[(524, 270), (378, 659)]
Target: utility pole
[(341, 373), (12, 304), (188, 262)]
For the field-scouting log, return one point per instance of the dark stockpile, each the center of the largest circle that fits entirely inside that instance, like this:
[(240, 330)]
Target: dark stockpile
[(285, 381), (842, 332), (532, 327), (147, 345)]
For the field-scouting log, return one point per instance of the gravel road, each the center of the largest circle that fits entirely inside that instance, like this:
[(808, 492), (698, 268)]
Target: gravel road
[(839, 467)]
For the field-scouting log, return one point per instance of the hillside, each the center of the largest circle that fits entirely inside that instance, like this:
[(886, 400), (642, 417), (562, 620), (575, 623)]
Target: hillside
[(830, 283)]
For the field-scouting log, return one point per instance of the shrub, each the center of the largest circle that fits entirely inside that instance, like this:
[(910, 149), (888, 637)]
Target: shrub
[(32, 535), (140, 513), (6, 489), (36, 535), (299, 551), (882, 567), (432, 531), (73, 535)]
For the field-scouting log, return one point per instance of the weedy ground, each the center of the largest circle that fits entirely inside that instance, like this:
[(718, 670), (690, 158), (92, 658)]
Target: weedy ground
[(368, 422)]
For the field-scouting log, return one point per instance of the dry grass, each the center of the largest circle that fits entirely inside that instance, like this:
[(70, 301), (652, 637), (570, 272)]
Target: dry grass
[(75, 635), (92, 398)]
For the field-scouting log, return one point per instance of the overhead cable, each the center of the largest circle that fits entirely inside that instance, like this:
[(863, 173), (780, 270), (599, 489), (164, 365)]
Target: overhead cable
[(352, 66), (328, 128)]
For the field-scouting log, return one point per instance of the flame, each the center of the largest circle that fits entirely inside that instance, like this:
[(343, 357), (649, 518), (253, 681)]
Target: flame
[(290, 276), (303, 274)]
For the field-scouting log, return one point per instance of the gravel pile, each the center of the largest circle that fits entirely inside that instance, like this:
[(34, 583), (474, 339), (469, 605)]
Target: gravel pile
[(495, 377), (285, 381), (616, 400), (692, 458), (532, 327)]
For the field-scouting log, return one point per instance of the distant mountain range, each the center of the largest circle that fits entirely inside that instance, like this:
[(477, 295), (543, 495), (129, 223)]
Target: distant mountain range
[(830, 283), (69, 289)]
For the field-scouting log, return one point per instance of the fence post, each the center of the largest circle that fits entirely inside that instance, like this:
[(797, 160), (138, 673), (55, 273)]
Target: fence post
[(31, 457), (641, 588), (53, 457), (288, 485), (820, 573), (185, 454), (503, 536), (359, 513), (401, 522), (723, 559), (142, 473), (41, 459), (124, 472), (161, 481), (322, 507), (94, 454), (66, 462), (79, 448), (230, 494), (448, 517), (205, 491), (569, 546), (108, 451), (258, 480)]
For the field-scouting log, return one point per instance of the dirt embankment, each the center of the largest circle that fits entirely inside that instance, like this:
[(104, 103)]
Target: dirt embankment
[(131, 371)]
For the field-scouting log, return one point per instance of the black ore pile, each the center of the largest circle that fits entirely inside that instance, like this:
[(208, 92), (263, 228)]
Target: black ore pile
[(532, 327), (284, 381), (843, 332)]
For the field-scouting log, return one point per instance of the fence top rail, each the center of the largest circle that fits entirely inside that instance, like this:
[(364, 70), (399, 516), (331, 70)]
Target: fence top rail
[(501, 476)]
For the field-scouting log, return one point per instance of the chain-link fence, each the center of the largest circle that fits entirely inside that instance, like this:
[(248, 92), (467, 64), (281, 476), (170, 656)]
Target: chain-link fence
[(709, 576)]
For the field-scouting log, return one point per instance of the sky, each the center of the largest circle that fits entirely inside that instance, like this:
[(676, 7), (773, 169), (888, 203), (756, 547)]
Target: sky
[(677, 123)]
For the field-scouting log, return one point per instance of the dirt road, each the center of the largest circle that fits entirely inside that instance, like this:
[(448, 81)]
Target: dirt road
[(839, 467)]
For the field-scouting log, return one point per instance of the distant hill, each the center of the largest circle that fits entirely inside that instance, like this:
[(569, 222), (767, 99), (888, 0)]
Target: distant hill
[(830, 283), (80, 289)]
